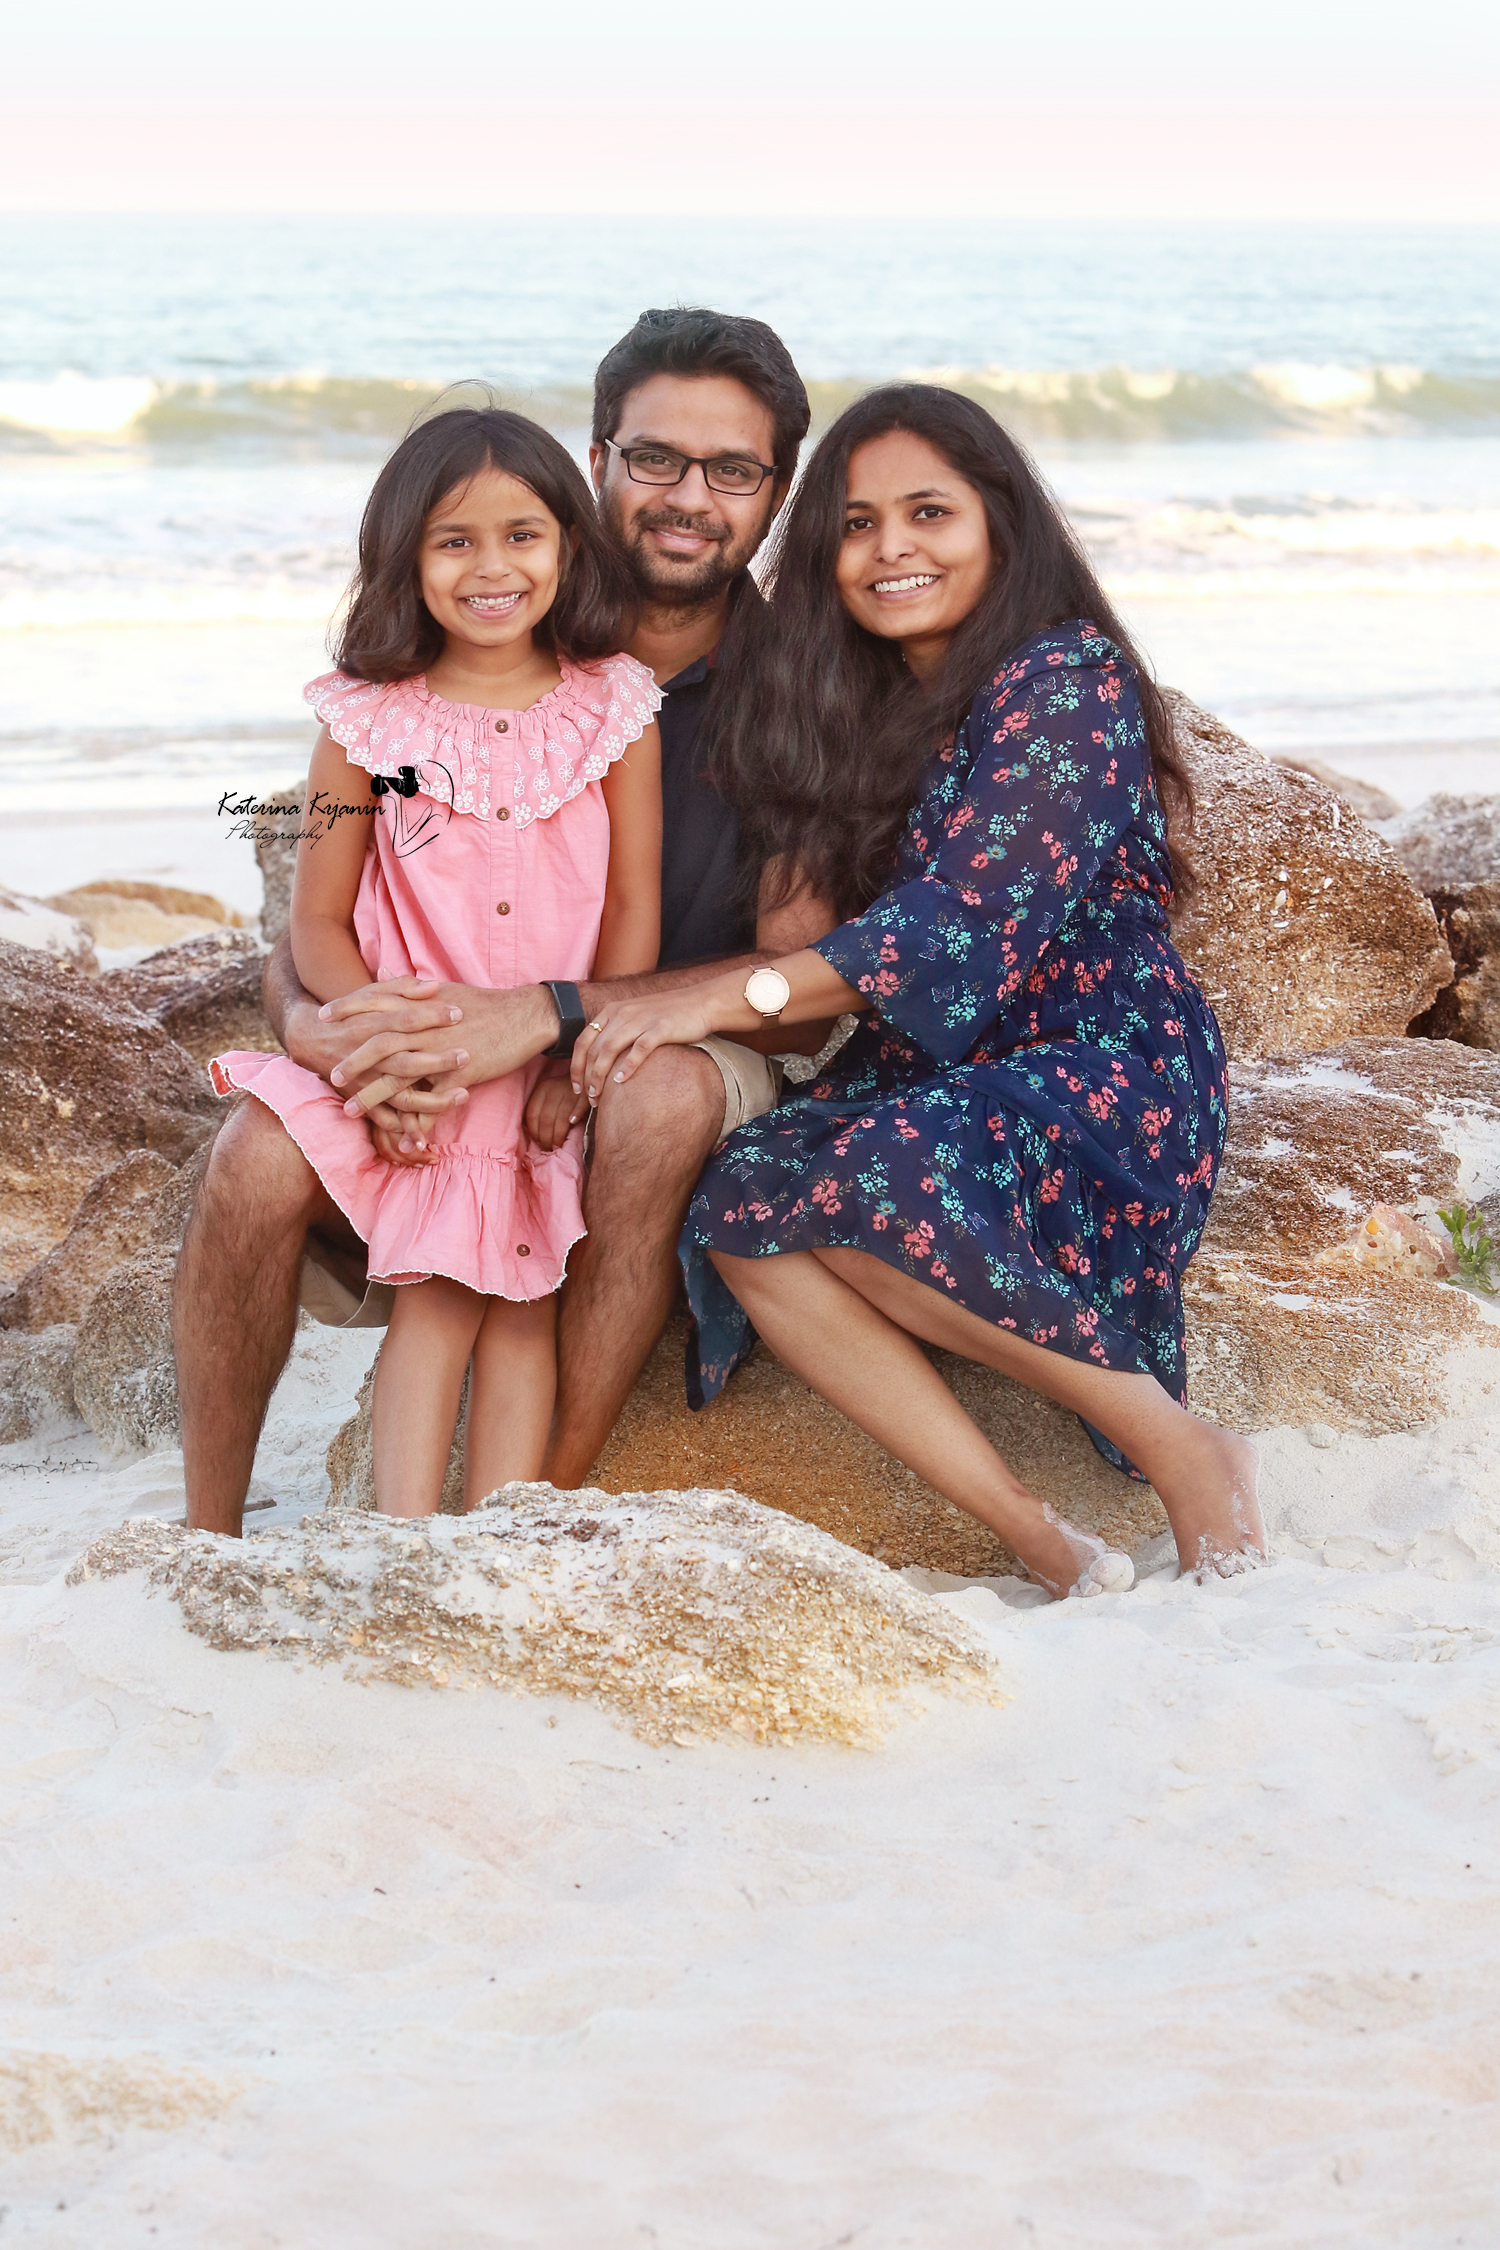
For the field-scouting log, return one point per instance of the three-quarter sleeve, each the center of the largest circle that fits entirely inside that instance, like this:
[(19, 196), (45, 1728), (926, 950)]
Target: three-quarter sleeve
[(1054, 761)]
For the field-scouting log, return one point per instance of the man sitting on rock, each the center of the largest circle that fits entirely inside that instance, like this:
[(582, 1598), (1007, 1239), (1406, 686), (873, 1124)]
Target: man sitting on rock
[(685, 392)]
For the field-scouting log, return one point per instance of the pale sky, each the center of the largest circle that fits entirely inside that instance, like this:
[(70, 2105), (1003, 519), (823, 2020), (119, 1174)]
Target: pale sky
[(1164, 109)]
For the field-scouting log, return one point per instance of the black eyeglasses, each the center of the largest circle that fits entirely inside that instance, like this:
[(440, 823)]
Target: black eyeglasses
[(659, 464)]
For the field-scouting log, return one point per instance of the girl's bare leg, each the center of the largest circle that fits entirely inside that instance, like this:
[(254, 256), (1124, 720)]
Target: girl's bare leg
[(511, 1392), (846, 1323), (418, 1381)]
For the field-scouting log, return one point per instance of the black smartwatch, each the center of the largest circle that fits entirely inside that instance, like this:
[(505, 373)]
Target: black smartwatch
[(568, 1001)]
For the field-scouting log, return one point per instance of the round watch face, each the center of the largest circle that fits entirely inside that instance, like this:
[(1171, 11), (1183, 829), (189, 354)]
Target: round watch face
[(768, 991)]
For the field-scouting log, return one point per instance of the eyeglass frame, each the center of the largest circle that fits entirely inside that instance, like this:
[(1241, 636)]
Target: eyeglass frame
[(693, 461)]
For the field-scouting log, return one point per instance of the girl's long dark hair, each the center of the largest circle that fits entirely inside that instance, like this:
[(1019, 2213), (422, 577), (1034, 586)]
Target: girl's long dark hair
[(820, 734), (389, 633)]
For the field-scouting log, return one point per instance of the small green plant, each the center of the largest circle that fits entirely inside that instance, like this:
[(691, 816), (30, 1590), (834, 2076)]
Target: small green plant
[(1472, 1247)]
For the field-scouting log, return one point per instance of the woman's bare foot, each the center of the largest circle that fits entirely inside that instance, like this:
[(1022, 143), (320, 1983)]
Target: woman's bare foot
[(1211, 1504), (1057, 1555)]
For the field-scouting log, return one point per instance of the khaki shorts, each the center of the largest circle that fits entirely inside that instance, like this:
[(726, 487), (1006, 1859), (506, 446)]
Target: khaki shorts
[(752, 1085)]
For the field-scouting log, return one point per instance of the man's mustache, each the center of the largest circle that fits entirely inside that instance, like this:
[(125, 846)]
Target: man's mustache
[(673, 519)]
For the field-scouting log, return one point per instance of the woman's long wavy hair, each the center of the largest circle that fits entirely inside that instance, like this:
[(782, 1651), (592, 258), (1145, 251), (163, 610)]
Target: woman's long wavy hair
[(389, 633), (820, 734)]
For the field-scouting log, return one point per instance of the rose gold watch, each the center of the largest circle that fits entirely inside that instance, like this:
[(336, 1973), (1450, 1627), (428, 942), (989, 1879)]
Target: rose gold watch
[(768, 993)]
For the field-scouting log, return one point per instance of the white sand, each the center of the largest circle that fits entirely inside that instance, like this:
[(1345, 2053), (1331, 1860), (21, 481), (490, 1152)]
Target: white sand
[(1195, 1941)]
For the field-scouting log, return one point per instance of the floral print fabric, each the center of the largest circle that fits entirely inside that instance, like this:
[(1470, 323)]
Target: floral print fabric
[(1031, 1116)]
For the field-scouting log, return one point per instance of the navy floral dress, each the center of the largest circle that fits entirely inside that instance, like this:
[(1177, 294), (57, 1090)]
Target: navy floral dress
[(1031, 1115)]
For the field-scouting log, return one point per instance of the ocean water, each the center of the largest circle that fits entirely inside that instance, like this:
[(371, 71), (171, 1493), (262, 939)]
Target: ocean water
[(1281, 445)]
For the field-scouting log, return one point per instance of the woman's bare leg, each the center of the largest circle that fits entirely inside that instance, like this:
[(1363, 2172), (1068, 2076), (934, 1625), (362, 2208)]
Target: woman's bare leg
[(1204, 1476), (511, 1392), (853, 1343), (418, 1381), (873, 1370)]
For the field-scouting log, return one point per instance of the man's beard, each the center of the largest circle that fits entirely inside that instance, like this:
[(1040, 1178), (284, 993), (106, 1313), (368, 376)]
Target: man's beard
[(681, 585)]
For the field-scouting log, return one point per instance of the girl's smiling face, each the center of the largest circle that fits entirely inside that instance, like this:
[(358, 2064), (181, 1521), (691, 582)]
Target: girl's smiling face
[(916, 555), (489, 560)]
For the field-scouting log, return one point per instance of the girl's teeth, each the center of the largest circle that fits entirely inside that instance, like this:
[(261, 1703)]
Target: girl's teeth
[(901, 585)]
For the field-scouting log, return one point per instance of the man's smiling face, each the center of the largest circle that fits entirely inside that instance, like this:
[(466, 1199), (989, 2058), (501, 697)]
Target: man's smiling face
[(684, 543)]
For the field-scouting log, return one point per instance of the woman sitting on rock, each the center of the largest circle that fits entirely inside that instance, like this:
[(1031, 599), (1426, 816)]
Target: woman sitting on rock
[(947, 736)]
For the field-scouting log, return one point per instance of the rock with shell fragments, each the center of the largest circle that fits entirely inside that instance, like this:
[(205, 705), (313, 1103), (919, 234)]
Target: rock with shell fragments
[(139, 1204), (278, 817), (1450, 846), (119, 913), (1305, 928), (205, 993), (36, 1384), (41, 928), (1468, 1009), (83, 1082), (683, 1615), (1448, 843), (1363, 797), (124, 1374)]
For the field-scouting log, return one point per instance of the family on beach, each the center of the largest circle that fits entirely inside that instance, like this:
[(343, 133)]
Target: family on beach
[(613, 830)]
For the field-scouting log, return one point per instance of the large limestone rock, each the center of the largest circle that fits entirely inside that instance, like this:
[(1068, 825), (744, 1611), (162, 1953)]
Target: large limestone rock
[(1316, 1140), (1449, 843), (205, 993), (276, 822), (124, 1378), (83, 1082), (1363, 797), (1468, 1009), (40, 928), (36, 1384), (121, 1215), (1280, 1327), (685, 1615), (1305, 928), (119, 914)]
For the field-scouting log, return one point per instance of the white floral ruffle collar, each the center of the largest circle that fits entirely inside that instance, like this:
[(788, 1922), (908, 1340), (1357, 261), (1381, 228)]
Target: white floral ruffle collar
[(475, 760)]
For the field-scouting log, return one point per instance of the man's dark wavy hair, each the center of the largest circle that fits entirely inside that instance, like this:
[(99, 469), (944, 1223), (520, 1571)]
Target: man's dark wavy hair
[(691, 340), (819, 733), (389, 633)]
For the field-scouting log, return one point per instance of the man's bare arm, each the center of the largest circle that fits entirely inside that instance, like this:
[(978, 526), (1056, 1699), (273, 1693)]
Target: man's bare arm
[(415, 1036), (502, 1031)]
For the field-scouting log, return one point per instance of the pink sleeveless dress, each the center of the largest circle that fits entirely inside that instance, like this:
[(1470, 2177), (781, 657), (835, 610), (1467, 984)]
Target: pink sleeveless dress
[(491, 872)]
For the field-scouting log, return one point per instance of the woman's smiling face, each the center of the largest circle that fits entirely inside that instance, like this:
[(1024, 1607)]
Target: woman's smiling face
[(916, 555)]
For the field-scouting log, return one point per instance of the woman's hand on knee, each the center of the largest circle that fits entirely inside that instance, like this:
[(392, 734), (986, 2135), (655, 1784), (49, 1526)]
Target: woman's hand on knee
[(613, 1047)]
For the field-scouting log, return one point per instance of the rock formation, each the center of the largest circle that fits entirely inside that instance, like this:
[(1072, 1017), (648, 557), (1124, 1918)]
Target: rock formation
[(1448, 843), (276, 855), (205, 993), (1362, 797), (83, 1082), (119, 1216), (36, 1384), (118, 914), (1305, 928), (685, 1614), (1451, 847), (40, 928), (124, 1378)]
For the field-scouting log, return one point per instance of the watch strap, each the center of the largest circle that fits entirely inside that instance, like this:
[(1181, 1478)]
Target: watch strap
[(568, 1001)]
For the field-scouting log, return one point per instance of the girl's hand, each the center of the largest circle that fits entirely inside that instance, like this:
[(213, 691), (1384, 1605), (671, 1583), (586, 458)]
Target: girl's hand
[(409, 1145), (613, 1047), (553, 1108)]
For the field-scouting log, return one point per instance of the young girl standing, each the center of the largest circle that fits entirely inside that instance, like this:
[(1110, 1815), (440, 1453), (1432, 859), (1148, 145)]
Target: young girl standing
[(509, 831)]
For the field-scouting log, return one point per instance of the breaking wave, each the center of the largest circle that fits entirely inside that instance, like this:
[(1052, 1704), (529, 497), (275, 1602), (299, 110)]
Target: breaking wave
[(1114, 404)]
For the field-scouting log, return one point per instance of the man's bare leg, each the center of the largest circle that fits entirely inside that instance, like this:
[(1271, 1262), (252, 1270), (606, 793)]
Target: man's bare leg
[(652, 1138), (234, 1309)]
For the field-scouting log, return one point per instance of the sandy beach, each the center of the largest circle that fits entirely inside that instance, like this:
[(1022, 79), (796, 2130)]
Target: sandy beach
[(1191, 1941)]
